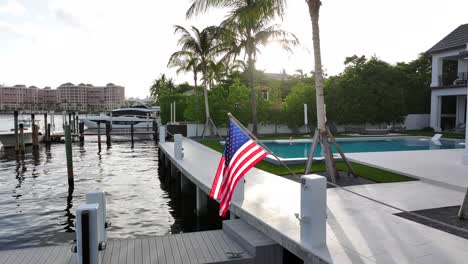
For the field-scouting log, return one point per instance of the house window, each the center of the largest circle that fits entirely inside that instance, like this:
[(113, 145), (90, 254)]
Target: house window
[(265, 95)]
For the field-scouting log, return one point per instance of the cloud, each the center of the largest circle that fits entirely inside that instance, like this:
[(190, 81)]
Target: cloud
[(13, 7), (68, 18), (14, 30)]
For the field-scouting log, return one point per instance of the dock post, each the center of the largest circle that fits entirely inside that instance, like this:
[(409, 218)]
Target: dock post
[(49, 127), (45, 128), (99, 135), (68, 152), (178, 149), (202, 202), (162, 134), (35, 135), (87, 236), (81, 132), (21, 137), (16, 131), (313, 214), (69, 118), (155, 130), (108, 131), (131, 132)]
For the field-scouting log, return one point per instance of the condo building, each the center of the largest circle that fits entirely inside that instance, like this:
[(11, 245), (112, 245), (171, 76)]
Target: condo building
[(80, 98)]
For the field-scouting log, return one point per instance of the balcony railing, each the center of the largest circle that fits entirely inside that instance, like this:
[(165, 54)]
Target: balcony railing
[(449, 81)]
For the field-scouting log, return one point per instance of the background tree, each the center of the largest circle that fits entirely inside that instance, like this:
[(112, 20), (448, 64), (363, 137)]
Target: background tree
[(162, 86), (185, 61), (203, 45), (248, 26)]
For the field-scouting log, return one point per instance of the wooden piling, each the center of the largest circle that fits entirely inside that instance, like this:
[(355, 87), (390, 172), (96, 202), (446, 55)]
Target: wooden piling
[(68, 152), (35, 135), (131, 132), (73, 127), (69, 118), (155, 130), (21, 138), (49, 127), (108, 131), (81, 131), (99, 135), (46, 129), (17, 147)]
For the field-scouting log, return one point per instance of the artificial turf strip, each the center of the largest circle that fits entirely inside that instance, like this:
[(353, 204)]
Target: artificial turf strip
[(370, 173)]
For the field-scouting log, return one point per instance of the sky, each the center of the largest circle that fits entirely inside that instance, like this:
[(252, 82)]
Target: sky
[(128, 42)]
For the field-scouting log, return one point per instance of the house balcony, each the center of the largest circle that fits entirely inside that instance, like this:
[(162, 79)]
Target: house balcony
[(447, 81)]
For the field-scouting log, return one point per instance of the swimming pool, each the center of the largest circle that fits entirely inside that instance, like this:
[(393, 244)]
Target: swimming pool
[(293, 149)]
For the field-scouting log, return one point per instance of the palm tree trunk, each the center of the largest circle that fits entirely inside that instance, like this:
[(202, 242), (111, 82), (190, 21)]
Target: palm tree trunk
[(253, 94), (207, 108), (314, 8)]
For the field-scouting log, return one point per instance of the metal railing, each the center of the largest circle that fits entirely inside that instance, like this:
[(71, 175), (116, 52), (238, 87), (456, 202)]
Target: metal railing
[(450, 81)]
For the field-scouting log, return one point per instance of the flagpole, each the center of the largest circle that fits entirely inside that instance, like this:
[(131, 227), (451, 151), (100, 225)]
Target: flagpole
[(243, 128)]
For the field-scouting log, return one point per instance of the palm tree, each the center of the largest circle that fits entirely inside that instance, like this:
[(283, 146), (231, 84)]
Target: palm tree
[(185, 62), (248, 26), (162, 86), (201, 48), (252, 10)]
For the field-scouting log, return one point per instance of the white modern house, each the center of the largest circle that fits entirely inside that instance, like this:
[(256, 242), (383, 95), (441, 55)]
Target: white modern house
[(449, 86)]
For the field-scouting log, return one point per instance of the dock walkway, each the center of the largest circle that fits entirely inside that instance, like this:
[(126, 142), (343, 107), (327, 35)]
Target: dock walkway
[(358, 230), (187, 248)]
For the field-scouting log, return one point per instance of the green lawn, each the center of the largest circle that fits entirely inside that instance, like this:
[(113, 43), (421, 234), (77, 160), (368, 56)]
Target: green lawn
[(427, 133), (363, 171)]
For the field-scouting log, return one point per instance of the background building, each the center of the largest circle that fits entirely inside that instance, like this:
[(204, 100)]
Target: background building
[(81, 97)]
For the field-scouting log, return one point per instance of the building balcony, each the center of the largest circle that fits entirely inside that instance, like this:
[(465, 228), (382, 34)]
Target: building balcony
[(447, 81)]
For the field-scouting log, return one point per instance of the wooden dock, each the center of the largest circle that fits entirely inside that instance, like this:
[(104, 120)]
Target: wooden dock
[(188, 248)]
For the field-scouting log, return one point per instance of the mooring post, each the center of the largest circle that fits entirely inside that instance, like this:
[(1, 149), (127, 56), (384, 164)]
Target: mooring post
[(45, 128), (69, 118), (131, 132), (108, 131), (99, 135), (68, 152), (313, 214), (162, 134), (178, 149), (155, 130), (81, 131), (21, 137), (16, 131), (35, 135), (49, 127)]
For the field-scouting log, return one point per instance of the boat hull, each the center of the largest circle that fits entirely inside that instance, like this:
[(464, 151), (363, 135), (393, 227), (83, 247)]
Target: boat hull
[(7, 140)]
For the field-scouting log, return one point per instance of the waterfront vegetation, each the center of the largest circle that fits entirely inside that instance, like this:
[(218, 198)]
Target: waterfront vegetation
[(397, 90), (370, 173)]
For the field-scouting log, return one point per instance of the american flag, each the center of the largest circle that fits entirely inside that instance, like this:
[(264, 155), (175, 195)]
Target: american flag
[(241, 153)]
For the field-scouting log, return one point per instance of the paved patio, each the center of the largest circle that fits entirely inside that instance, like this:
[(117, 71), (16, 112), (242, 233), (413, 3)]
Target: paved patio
[(358, 230), (440, 167)]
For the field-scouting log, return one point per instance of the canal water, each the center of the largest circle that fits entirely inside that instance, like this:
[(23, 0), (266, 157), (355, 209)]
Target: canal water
[(37, 207)]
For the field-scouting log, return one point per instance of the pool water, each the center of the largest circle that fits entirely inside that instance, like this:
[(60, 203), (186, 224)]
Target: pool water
[(301, 149)]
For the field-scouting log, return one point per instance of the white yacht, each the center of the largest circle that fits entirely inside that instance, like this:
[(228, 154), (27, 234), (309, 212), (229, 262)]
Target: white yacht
[(7, 137), (141, 116)]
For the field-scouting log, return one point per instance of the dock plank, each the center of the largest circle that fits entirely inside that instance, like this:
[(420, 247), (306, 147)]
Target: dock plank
[(63, 255), (153, 251), (116, 251), (212, 247), (196, 248), (160, 249), (190, 250), (131, 251), (203, 247), (168, 250), (138, 251), (183, 251), (123, 251), (145, 250), (44, 256), (175, 249), (108, 253)]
